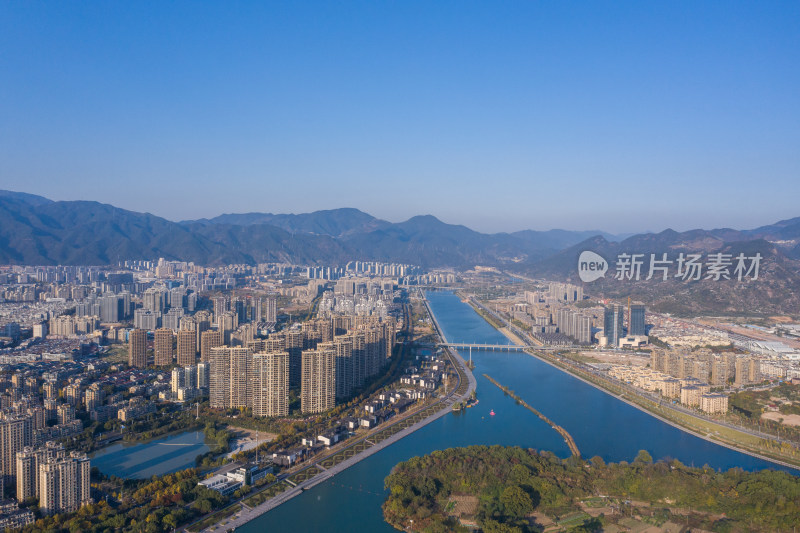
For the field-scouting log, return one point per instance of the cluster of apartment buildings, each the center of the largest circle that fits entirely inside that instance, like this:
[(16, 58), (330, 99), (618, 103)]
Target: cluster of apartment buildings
[(328, 357), (689, 391), (719, 369), (59, 479), (43, 470), (554, 319), (356, 268)]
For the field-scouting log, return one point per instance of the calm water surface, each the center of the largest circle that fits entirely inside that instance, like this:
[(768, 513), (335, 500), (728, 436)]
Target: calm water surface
[(145, 459), (600, 424)]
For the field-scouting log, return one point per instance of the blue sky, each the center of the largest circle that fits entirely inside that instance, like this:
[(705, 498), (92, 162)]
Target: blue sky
[(621, 116)]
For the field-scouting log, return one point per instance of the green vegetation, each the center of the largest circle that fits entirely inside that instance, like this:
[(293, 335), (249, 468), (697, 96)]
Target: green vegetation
[(264, 495), (746, 404), (655, 341), (117, 353), (214, 518), (749, 405), (513, 488), (486, 316), (162, 424), (154, 506)]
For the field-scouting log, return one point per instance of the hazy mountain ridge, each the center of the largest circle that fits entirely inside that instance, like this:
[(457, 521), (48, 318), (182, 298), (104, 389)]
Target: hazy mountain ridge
[(332, 222), (35, 230), (776, 291)]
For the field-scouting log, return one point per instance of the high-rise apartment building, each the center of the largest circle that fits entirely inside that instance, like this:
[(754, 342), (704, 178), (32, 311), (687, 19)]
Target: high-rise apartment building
[(747, 370), (208, 340), (565, 292), (270, 310), (203, 370), (28, 462), (227, 323), (220, 306), (64, 484), (229, 377), (111, 308), (187, 348), (50, 390), (12, 440), (137, 348), (146, 319), (719, 372), (270, 384), (342, 346), (318, 383), (172, 318), (153, 299), (183, 378), (164, 347), (293, 344)]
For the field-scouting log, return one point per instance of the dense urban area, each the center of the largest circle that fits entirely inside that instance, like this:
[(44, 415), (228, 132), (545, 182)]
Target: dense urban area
[(259, 378)]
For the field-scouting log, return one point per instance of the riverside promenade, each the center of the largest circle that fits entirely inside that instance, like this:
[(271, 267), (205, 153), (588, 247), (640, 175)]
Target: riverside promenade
[(362, 447)]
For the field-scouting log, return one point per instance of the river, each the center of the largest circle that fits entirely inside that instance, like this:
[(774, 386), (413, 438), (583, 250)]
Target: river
[(600, 424)]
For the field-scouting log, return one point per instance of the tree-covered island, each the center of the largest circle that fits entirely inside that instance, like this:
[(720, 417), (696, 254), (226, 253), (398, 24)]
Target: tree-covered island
[(511, 489)]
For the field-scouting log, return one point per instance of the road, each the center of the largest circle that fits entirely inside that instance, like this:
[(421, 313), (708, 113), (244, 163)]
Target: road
[(580, 370), (360, 448), (444, 406)]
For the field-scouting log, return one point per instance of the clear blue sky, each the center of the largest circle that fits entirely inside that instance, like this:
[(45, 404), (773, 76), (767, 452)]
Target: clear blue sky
[(622, 116)]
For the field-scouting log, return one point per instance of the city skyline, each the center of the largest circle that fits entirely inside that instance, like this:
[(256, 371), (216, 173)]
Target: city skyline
[(623, 117), (496, 266)]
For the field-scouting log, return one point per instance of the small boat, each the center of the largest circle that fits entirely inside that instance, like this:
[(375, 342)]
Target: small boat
[(491, 413)]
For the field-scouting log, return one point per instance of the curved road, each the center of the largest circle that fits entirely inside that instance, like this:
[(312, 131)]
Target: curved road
[(370, 444)]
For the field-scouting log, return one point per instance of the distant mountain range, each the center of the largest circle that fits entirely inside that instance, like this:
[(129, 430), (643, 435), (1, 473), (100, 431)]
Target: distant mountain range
[(776, 291), (36, 230)]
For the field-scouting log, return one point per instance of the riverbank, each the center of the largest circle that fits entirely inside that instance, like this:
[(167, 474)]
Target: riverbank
[(698, 427), (708, 436), (352, 451), (358, 450), (601, 426)]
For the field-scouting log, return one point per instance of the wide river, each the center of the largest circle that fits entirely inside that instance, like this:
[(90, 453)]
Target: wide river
[(599, 423)]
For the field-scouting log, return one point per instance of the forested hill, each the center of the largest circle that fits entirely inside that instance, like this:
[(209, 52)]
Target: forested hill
[(511, 489)]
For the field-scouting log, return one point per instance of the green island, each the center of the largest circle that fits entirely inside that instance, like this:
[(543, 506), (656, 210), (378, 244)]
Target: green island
[(511, 489)]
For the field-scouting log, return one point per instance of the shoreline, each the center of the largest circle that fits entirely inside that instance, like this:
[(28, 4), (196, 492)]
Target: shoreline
[(249, 514), (246, 514), (667, 421), (695, 433)]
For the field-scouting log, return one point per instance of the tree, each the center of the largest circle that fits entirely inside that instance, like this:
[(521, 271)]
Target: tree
[(516, 502), (204, 506), (643, 457)]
